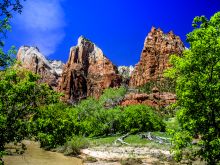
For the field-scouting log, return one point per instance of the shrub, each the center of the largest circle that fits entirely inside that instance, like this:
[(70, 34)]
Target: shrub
[(141, 118), (55, 124), (52, 125), (88, 117), (20, 97), (74, 146), (91, 119), (112, 96)]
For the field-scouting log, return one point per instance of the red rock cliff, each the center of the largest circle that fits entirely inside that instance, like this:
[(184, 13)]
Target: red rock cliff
[(87, 73), (155, 56)]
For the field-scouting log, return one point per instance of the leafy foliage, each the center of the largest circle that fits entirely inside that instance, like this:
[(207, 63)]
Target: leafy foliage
[(198, 89), (55, 124), (74, 146), (6, 59), (52, 125), (140, 118), (112, 96), (20, 96), (7, 8)]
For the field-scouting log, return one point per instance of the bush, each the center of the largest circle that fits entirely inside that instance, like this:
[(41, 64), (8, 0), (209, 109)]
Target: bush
[(55, 124), (88, 116), (112, 96), (52, 125), (20, 97), (91, 119), (141, 118), (74, 146)]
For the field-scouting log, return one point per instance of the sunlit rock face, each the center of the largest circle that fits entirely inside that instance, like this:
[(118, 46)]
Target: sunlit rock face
[(154, 99), (49, 71), (87, 73), (125, 71), (57, 66), (158, 47)]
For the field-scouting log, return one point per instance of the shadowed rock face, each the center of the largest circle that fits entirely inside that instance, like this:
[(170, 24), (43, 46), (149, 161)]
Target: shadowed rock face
[(49, 71), (87, 73), (155, 56)]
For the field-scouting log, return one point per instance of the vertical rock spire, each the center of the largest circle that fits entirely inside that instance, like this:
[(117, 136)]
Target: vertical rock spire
[(158, 47), (88, 72)]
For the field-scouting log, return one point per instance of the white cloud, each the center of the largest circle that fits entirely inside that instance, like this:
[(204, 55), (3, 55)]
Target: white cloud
[(42, 24)]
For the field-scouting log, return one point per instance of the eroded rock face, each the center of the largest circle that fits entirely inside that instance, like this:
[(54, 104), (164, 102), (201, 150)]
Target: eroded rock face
[(49, 71), (57, 66), (155, 56), (155, 99), (88, 72)]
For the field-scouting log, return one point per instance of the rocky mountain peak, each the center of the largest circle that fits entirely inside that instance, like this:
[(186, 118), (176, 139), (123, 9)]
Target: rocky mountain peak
[(158, 47), (83, 41), (32, 59), (85, 52), (88, 72)]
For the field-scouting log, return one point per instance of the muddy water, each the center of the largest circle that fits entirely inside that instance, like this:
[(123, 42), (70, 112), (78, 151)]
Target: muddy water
[(34, 155)]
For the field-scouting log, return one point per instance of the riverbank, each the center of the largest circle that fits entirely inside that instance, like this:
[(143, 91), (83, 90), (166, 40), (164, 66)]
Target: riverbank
[(113, 154), (34, 155), (98, 154), (116, 155)]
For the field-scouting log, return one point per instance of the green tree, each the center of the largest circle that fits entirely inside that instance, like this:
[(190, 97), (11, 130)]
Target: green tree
[(20, 97), (197, 75), (7, 9), (140, 118), (52, 125)]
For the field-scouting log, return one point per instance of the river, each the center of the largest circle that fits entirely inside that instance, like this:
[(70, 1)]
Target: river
[(34, 155)]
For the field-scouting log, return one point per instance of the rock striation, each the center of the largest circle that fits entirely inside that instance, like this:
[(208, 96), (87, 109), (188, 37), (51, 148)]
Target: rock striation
[(49, 71), (87, 73), (154, 99), (158, 46)]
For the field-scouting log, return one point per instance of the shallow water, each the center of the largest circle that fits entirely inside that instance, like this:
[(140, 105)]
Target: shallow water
[(34, 155)]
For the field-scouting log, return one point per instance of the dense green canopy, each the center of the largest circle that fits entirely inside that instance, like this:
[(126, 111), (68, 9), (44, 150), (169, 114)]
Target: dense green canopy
[(197, 75)]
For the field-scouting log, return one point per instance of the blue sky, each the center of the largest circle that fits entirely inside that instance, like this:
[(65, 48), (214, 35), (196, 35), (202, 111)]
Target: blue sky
[(118, 27)]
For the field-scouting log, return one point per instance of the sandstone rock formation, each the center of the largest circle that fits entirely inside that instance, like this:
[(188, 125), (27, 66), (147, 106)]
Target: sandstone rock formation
[(155, 99), (57, 66), (49, 71), (155, 56), (88, 72)]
